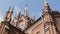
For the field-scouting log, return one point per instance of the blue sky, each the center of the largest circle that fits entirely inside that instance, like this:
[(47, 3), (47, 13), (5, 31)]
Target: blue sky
[(34, 6)]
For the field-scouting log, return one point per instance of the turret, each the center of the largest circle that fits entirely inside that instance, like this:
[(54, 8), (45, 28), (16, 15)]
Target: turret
[(33, 17), (8, 15), (46, 8), (19, 14), (26, 11), (47, 12)]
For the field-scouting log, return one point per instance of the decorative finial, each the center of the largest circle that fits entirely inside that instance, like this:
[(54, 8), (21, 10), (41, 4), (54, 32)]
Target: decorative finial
[(9, 8), (45, 1), (26, 8), (12, 9), (33, 17), (19, 14), (22, 13)]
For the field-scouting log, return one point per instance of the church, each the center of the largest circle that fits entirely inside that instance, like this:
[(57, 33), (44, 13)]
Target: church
[(48, 23)]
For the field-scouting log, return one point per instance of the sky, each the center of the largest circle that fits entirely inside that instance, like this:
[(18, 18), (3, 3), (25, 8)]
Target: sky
[(34, 6)]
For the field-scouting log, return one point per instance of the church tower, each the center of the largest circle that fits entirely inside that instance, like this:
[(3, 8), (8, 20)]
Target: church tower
[(47, 11), (49, 27), (6, 22)]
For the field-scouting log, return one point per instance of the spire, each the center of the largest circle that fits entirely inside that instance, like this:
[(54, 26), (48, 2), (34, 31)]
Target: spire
[(26, 10), (8, 11), (26, 7), (9, 8), (19, 15), (12, 10), (33, 17), (8, 15), (22, 13), (45, 1), (46, 7)]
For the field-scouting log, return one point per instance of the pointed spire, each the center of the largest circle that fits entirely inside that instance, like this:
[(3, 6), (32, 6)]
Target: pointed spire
[(8, 15), (9, 8), (12, 9), (26, 10), (27, 13), (45, 1), (19, 15), (26, 7), (33, 17), (22, 13), (46, 6), (8, 11)]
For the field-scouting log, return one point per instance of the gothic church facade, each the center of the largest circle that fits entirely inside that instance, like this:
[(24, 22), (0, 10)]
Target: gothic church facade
[(48, 23)]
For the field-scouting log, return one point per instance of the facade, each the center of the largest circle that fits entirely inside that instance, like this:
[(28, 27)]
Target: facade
[(48, 23)]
